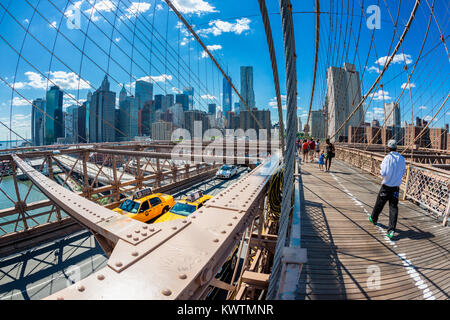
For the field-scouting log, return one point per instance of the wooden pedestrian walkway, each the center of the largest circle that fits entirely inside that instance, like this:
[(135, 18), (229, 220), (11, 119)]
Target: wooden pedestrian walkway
[(349, 258)]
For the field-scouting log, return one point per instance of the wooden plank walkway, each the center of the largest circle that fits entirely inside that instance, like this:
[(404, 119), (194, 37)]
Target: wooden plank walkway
[(346, 252)]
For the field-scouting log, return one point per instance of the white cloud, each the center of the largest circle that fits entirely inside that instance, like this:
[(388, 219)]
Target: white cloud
[(153, 79), (398, 58), (193, 6), (408, 85), (380, 95), (427, 118), (26, 21), (65, 80), (176, 90), (102, 6), (213, 47), (71, 13), (374, 69), (137, 8), (422, 107), (217, 27), (52, 25), (20, 102), (159, 7), (117, 39), (208, 96)]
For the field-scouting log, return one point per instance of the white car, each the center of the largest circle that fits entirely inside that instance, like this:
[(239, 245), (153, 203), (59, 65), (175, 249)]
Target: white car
[(226, 171)]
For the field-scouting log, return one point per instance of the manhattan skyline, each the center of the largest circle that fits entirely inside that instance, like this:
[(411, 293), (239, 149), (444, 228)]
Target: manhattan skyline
[(235, 36)]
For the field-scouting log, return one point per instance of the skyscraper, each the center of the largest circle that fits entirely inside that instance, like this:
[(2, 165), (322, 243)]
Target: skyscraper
[(143, 92), (53, 123), (226, 97), (79, 124), (169, 101), (69, 124), (212, 109), (87, 110), (299, 124), (128, 117), (189, 91), (102, 120), (247, 93), (148, 114), (159, 101), (344, 94), (317, 123), (236, 107), (183, 99), (394, 119), (37, 122)]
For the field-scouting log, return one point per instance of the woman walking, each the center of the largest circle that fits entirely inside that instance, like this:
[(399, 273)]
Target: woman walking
[(329, 154)]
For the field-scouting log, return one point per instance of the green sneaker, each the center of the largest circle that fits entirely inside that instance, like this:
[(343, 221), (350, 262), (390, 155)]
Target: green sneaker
[(370, 219), (390, 234)]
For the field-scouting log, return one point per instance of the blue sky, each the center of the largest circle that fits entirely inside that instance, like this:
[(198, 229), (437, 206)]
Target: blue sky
[(120, 34)]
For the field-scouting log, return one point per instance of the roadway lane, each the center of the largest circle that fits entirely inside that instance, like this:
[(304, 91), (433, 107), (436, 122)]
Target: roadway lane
[(34, 274), (46, 269)]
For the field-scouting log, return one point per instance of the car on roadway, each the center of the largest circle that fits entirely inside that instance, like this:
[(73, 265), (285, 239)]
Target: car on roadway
[(145, 205), (185, 207), (226, 171)]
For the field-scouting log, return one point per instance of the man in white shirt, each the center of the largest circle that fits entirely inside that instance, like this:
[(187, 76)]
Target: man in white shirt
[(392, 170)]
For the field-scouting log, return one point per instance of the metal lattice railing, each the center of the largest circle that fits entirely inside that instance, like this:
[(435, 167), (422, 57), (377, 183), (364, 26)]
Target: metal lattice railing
[(425, 185)]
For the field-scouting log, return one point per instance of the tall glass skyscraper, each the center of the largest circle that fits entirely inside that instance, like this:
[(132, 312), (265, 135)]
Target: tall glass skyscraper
[(53, 123), (226, 98), (86, 107), (128, 117), (143, 92), (189, 91), (247, 93), (37, 122), (182, 99), (102, 114)]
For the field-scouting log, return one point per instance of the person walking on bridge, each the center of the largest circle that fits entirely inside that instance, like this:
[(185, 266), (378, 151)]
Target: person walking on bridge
[(392, 170)]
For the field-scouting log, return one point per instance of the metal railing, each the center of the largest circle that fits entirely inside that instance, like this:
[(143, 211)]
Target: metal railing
[(425, 185)]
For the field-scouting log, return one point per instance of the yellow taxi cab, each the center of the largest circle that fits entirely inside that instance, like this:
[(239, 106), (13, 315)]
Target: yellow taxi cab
[(145, 205), (185, 207)]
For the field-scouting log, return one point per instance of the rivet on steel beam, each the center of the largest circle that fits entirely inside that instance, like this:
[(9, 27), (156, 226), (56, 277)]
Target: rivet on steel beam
[(223, 231), (60, 298), (174, 228), (81, 288), (216, 240), (235, 217), (100, 277), (182, 276), (135, 238), (144, 227), (166, 292), (193, 217), (230, 224), (144, 234), (137, 231), (118, 264), (135, 254), (152, 229), (184, 221)]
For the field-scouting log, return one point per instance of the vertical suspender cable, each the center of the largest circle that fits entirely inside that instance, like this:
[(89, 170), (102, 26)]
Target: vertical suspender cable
[(291, 132), (273, 59), (316, 56)]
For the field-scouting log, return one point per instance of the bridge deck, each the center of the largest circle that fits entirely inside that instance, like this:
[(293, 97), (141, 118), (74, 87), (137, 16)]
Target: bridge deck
[(344, 248)]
